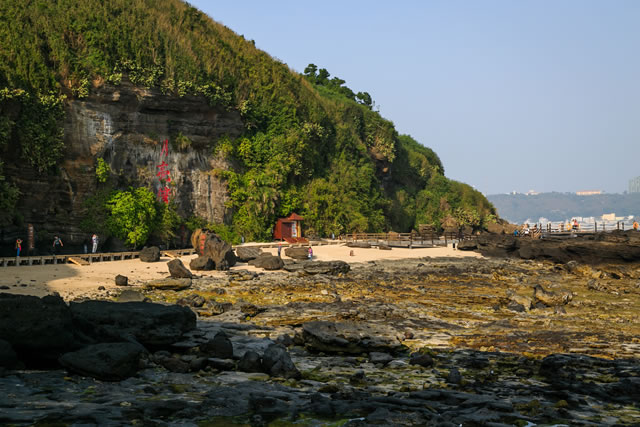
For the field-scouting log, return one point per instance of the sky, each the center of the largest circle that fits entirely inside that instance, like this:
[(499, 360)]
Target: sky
[(521, 95)]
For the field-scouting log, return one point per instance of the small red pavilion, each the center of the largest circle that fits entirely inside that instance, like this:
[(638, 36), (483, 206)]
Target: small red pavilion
[(289, 228)]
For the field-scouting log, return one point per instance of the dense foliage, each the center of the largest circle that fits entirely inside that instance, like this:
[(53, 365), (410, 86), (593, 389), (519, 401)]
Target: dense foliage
[(311, 145)]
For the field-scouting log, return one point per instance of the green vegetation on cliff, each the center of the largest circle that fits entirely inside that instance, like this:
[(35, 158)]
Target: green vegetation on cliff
[(310, 145)]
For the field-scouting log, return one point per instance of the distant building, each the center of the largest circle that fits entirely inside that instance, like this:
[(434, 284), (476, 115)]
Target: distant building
[(532, 193), (634, 185), (588, 192)]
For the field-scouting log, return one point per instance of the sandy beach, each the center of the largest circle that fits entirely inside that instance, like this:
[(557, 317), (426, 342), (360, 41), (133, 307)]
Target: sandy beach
[(73, 281)]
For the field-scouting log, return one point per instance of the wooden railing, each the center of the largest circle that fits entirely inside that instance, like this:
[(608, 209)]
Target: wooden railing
[(407, 239)]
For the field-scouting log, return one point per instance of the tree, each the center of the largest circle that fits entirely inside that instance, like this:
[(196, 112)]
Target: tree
[(323, 76), (365, 99), (132, 215), (310, 71)]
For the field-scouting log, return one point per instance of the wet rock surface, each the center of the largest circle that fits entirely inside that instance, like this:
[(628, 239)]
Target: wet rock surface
[(411, 342)]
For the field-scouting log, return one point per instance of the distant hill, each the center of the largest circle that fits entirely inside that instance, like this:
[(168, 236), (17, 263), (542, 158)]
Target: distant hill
[(93, 82), (561, 206)]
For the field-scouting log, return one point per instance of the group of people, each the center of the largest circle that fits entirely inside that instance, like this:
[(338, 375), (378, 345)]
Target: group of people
[(58, 245)]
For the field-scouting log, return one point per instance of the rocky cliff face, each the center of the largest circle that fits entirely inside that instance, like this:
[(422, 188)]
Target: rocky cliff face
[(126, 126)]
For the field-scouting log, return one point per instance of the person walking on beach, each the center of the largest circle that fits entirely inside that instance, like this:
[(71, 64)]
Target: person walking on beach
[(279, 249), (94, 241), (57, 245), (635, 225), (310, 252), (18, 247)]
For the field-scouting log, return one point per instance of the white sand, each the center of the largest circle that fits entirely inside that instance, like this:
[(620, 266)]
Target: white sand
[(71, 280)]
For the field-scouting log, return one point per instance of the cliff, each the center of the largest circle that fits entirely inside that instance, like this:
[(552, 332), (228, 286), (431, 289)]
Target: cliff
[(126, 125)]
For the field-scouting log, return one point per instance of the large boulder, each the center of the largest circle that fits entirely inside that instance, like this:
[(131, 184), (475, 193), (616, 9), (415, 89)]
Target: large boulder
[(268, 262), (297, 252), (467, 245), (178, 270), (130, 295), (106, 361), (326, 267), (250, 362), (36, 328), (348, 337), (219, 347), (147, 323), (168, 284), (151, 254), (277, 362), (202, 263), (122, 280), (247, 253), (209, 244)]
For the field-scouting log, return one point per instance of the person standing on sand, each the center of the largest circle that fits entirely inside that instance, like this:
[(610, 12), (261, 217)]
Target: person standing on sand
[(94, 241), (18, 247), (310, 252), (635, 225), (57, 245), (279, 249)]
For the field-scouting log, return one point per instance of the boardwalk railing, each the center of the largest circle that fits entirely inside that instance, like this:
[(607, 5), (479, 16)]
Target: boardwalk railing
[(584, 227), (90, 258), (410, 240), (118, 256)]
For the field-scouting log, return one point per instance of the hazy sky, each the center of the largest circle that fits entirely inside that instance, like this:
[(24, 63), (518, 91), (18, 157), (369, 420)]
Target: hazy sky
[(512, 95)]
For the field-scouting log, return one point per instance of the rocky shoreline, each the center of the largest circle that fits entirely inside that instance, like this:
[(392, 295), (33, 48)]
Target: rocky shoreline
[(437, 341)]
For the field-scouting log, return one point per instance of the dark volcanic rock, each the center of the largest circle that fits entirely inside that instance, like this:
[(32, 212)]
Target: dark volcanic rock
[(193, 300), (219, 347), (36, 328), (615, 246), (326, 267), (421, 359), (467, 245), (122, 280), (151, 254), (250, 362), (277, 362), (349, 337), (149, 324), (247, 253), (107, 361), (129, 295), (169, 284), (202, 263), (297, 252), (178, 270), (454, 376), (268, 262), (8, 357)]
